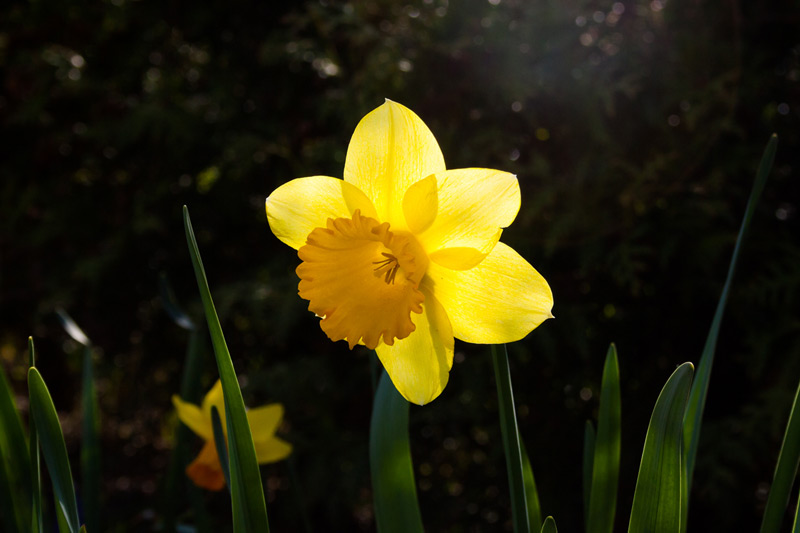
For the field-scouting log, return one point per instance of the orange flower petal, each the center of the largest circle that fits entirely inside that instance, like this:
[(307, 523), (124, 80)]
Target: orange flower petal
[(205, 471)]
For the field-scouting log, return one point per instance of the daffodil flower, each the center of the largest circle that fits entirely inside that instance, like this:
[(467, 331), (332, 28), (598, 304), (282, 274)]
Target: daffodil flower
[(403, 255), (205, 471)]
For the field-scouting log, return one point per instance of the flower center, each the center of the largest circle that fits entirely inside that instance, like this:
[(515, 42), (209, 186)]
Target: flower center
[(389, 266), (362, 279)]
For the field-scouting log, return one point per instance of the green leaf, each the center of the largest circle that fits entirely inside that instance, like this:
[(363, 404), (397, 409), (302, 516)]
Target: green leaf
[(785, 472), (697, 398), (605, 466), (247, 492), (549, 525), (796, 526), (190, 391), (37, 526), (657, 500), (54, 450), (179, 458), (90, 445), (394, 491), (219, 443), (16, 483), (588, 465), (9, 520), (90, 426), (510, 432), (531, 493)]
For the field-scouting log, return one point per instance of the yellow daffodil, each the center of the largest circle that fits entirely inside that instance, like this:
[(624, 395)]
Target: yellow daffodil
[(205, 470), (403, 255)]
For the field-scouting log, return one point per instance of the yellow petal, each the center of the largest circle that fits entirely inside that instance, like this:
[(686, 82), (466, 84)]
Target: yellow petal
[(295, 208), (419, 365), (459, 258), (272, 450), (264, 420), (205, 471), (421, 203), (390, 150), (192, 416), (500, 300), (214, 398), (474, 204)]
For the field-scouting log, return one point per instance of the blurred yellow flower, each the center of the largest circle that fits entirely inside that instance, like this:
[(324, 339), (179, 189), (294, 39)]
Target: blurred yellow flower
[(205, 470), (403, 255)]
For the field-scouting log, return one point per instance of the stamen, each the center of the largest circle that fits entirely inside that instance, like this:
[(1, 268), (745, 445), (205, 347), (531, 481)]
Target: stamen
[(389, 265)]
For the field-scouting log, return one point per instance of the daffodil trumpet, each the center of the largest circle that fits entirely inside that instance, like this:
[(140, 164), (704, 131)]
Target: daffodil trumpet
[(205, 471), (403, 255)]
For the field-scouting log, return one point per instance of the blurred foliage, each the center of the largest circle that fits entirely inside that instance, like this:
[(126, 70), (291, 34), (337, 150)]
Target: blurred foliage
[(634, 127)]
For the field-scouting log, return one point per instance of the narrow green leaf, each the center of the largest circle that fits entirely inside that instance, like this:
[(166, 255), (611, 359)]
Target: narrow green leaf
[(697, 398), (61, 520), (90, 445), (90, 426), (219, 442), (588, 465), (37, 526), (394, 491), (657, 500), (785, 472), (191, 392), (549, 525), (247, 492), (796, 526), (54, 449), (605, 466), (179, 458), (531, 493), (14, 453), (8, 515), (510, 433), (684, 496)]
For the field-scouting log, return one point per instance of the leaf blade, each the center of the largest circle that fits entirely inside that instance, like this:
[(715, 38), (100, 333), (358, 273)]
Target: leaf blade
[(16, 480), (697, 397), (219, 444), (37, 526), (549, 525), (531, 492), (511, 445), (785, 472), (658, 498), (605, 465), (247, 491), (391, 468), (90, 445), (54, 449)]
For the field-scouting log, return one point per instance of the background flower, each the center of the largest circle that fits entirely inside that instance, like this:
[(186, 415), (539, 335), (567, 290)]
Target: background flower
[(205, 470)]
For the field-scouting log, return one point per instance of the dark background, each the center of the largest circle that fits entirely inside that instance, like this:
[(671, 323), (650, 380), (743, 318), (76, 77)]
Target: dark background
[(634, 127)]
